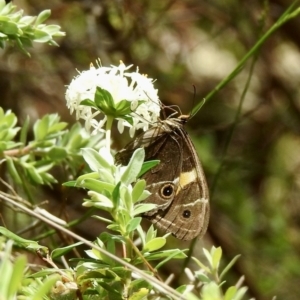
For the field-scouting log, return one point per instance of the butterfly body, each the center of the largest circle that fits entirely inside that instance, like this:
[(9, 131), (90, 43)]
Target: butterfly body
[(177, 184)]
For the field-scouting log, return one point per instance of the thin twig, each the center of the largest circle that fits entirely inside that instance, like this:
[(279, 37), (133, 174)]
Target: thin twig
[(160, 286)]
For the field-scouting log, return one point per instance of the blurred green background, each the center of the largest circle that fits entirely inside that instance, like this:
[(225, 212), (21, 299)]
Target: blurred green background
[(252, 161)]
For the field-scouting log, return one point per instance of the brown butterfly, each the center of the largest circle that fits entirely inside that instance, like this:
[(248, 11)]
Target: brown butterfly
[(177, 184)]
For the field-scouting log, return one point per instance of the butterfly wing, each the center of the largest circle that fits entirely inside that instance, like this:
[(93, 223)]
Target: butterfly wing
[(188, 215), (163, 179), (177, 184)]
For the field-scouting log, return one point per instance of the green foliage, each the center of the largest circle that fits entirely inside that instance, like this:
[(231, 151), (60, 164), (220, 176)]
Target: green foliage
[(23, 30), (14, 282), (8, 130), (115, 190), (12, 274), (105, 103), (21, 242), (52, 146), (104, 278), (112, 188)]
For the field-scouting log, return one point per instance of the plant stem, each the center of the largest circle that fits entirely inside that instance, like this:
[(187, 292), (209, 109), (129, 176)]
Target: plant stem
[(128, 254), (286, 16), (138, 252), (108, 131)]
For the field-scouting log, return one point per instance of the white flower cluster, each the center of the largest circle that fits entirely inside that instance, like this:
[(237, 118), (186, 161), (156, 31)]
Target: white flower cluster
[(130, 86)]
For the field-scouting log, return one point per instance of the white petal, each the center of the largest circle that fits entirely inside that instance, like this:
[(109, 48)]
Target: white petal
[(132, 131), (131, 86), (121, 125), (105, 153)]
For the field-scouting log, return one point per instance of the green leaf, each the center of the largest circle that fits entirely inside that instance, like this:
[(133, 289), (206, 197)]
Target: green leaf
[(58, 252), (144, 195), (154, 244), (57, 127), (17, 276), (151, 233), (44, 166), (112, 293), (97, 185), (134, 166), (230, 293), (91, 175), (28, 244), (208, 256), (98, 201), (7, 9), (88, 102), (116, 195), (111, 246), (240, 293), (201, 276), (211, 291), (94, 160), (138, 190), (169, 254), (25, 21), (141, 294), (147, 165), (40, 128), (103, 219), (43, 273), (43, 16), (13, 170), (3, 133), (228, 267), (24, 131), (11, 133), (123, 107), (73, 139), (48, 178), (54, 30), (34, 175), (126, 197), (189, 295), (113, 226), (102, 256), (177, 253), (2, 5), (133, 224), (10, 119), (6, 269), (107, 274), (201, 265), (57, 153), (45, 287), (143, 207), (71, 183), (104, 101), (8, 145), (9, 28), (128, 118), (40, 36), (216, 257)]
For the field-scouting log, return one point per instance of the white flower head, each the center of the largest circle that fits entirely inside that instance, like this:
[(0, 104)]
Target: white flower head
[(128, 97)]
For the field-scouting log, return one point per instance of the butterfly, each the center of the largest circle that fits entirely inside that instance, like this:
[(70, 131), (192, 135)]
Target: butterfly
[(177, 184)]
